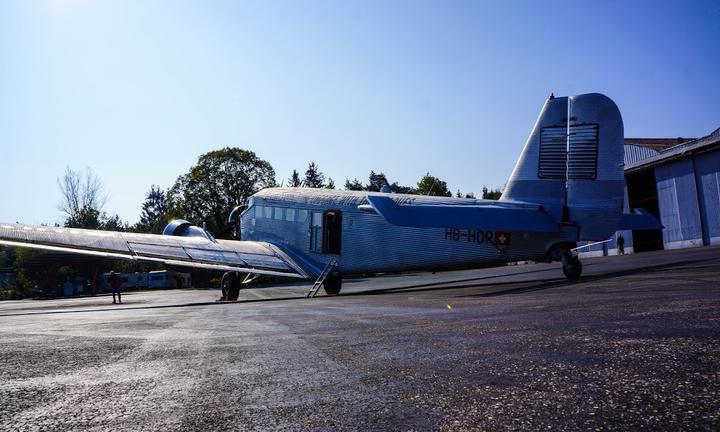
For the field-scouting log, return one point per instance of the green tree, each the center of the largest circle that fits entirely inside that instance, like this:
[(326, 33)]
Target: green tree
[(395, 187), (112, 223), (375, 184), (377, 181), (313, 177), (431, 185), (295, 179), (354, 185), (491, 194), (330, 184), (220, 180), (86, 217), (154, 214)]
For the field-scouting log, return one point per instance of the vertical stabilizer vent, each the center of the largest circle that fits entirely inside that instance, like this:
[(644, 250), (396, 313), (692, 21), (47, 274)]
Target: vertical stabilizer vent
[(583, 152), (553, 153)]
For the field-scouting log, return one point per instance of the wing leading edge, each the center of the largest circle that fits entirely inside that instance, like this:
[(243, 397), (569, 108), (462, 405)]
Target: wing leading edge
[(225, 255), (492, 216)]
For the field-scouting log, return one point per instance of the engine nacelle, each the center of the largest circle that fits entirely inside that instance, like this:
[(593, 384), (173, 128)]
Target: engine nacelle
[(183, 228)]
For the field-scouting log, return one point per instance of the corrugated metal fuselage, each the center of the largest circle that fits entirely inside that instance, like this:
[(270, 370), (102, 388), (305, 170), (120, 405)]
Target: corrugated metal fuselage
[(295, 220)]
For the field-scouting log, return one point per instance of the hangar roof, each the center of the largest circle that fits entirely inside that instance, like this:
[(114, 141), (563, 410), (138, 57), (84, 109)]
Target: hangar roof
[(705, 143)]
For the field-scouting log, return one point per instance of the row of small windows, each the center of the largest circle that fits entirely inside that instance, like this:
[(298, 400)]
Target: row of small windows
[(281, 213)]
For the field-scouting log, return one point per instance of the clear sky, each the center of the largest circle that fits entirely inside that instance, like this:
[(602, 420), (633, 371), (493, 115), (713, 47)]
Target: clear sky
[(137, 90)]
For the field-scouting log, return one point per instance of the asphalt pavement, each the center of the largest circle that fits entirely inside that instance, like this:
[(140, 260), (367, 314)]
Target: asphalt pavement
[(632, 345)]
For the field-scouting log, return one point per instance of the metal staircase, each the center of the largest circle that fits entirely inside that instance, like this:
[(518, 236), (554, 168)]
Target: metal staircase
[(329, 267)]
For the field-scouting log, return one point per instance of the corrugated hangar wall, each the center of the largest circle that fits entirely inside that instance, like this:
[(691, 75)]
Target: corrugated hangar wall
[(681, 185), (678, 202), (707, 170)]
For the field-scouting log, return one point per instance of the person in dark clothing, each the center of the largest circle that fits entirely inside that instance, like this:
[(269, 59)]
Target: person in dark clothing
[(116, 285), (621, 245)]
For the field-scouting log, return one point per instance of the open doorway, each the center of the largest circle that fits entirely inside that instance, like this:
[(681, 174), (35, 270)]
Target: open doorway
[(642, 193), (333, 232)]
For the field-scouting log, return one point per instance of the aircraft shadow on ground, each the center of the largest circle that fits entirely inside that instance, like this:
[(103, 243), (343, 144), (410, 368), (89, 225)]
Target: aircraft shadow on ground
[(432, 286), (135, 308), (535, 285), (592, 278)]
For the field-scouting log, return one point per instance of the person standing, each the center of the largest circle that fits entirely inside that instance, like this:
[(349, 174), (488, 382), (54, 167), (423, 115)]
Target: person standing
[(116, 285), (621, 245)]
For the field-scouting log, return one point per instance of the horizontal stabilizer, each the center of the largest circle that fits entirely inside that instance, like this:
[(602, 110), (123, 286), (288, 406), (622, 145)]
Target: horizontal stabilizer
[(640, 220), (492, 217)]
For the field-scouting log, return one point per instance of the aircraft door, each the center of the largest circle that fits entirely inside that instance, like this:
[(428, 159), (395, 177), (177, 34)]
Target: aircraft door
[(332, 235)]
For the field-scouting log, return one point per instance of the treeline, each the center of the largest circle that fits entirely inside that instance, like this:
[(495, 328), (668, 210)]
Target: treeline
[(206, 194)]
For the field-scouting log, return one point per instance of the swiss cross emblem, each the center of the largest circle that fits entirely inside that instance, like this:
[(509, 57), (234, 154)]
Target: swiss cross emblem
[(502, 238)]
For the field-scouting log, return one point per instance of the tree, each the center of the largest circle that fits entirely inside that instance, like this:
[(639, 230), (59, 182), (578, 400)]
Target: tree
[(153, 217), (491, 194), (221, 180), (112, 223), (395, 187), (87, 217), (330, 184), (82, 198), (462, 195), (431, 185), (377, 181), (313, 177), (295, 179), (354, 185)]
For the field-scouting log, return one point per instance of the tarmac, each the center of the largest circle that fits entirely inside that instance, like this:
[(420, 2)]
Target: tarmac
[(631, 345)]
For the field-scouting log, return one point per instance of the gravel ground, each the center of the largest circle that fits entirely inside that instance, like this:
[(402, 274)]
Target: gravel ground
[(632, 345)]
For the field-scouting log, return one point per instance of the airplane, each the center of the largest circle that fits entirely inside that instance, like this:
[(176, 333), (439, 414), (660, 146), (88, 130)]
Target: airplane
[(567, 186)]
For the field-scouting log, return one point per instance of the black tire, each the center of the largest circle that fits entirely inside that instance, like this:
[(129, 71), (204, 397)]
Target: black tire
[(333, 284), (572, 267), (230, 286)]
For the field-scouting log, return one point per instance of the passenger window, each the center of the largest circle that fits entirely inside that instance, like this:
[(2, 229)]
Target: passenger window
[(290, 214), (302, 215), (278, 213), (259, 212), (317, 219), (316, 223), (268, 212)]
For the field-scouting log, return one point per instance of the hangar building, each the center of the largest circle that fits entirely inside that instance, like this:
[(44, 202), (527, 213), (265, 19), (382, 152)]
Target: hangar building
[(678, 181)]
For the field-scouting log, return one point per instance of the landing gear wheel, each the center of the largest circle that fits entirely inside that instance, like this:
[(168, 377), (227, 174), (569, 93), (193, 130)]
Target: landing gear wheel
[(230, 286), (333, 284), (571, 265)]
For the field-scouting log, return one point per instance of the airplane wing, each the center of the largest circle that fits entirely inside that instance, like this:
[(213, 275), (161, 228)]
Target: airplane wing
[(200, 252), (492, 217)]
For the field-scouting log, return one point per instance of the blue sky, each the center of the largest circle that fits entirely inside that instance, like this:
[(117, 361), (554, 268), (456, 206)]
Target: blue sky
[(137, 90)]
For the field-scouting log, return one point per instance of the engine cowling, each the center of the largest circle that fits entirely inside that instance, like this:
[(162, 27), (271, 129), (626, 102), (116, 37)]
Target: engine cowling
[(183, 228)]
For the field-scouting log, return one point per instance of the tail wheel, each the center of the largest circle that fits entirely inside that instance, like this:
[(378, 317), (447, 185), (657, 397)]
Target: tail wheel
[(572, 267), (333, 284), (230, 286)]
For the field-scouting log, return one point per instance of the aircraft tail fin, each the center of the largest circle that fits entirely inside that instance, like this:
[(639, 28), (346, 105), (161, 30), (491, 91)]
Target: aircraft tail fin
[(572, 164)]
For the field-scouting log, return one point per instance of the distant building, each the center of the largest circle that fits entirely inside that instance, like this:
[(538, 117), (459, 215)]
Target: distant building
[(154, 279), (678, 181)]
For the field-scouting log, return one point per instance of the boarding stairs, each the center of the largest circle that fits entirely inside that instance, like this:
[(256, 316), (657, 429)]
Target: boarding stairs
[(329, 267)]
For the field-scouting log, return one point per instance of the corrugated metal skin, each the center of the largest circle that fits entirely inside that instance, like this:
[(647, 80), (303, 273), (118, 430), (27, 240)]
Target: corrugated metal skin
[(144, 246), (677, 199), (370, 243), (707, 166), (635, 153)]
